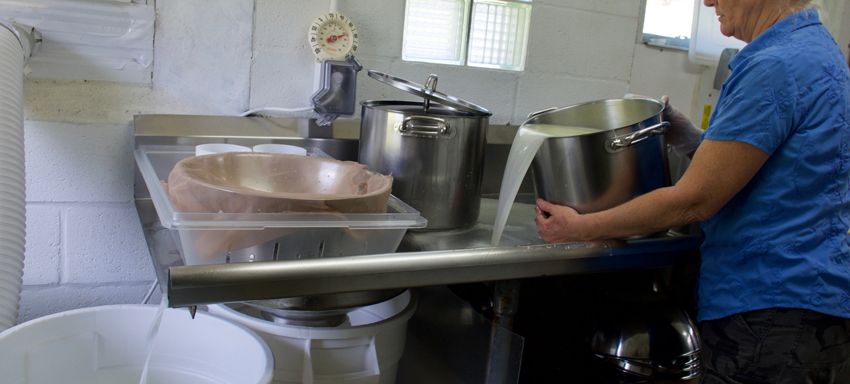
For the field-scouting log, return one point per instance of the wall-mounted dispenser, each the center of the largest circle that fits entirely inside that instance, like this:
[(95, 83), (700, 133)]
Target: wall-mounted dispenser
[(337, 92), (723, 70)]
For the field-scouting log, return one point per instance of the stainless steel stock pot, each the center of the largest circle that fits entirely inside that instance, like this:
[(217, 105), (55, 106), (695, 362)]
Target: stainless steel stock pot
[(434, 150), (597, 171)]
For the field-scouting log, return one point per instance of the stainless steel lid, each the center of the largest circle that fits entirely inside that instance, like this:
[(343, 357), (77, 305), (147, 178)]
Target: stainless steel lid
[(429, 93), (415, 108)]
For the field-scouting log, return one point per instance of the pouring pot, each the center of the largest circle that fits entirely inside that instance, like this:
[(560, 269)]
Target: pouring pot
[(434, 153), (597, 171)]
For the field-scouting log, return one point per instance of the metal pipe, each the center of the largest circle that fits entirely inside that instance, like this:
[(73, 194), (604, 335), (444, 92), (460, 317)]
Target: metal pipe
[(217, 283), (505, 305)]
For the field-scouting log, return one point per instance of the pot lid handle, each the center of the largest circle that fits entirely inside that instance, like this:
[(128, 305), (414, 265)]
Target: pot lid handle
[(430, 94), (430, 86)]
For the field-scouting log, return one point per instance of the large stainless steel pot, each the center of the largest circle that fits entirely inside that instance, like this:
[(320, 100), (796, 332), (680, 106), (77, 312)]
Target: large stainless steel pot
[(597, 171), (434, 152)]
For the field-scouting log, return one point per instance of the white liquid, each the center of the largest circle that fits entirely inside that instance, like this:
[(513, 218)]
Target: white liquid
[(152, 332), (527, 141)]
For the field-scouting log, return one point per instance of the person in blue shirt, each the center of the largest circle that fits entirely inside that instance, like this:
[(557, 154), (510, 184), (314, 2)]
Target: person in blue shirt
[(769, 181)]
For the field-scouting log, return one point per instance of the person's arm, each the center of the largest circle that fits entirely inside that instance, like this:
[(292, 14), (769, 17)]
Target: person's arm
[(718, 171)]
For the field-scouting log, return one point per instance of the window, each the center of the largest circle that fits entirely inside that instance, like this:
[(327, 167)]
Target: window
[(667, 23), (707, 42), (476, 33)]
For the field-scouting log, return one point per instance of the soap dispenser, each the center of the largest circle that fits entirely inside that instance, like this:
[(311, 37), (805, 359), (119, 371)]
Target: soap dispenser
[(337, 93)]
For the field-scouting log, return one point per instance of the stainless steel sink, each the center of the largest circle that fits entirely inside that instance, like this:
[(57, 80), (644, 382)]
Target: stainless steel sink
[(423, 258)]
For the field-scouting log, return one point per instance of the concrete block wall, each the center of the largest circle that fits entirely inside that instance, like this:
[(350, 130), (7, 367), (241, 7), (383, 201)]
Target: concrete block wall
[(578, 51), (84, 242), (222, 57)]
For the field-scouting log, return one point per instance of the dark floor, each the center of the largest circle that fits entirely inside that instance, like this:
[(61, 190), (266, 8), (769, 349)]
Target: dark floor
[(449, 337), (557, 315)]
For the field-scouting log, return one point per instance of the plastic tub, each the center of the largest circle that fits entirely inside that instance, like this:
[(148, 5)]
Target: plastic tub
[(285, 235), (365, 349), (109, 345)]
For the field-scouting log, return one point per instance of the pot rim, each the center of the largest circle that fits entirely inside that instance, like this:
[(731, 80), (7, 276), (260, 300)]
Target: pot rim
[(294, 195), (461, 114), (536, 115)]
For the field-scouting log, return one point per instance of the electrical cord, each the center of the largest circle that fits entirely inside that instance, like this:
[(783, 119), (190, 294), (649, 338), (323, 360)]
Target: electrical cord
[(150, 291), (273, 109)]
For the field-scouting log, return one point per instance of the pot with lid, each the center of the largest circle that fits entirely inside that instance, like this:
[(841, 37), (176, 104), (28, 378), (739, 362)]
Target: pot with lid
[(433, 148)]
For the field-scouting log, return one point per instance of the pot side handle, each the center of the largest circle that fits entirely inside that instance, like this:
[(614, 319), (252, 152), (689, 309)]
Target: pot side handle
[(639, 136), (425, 126)]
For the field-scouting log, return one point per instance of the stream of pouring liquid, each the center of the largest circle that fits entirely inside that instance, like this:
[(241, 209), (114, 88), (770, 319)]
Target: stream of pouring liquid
[(528, 139), (152, 332)]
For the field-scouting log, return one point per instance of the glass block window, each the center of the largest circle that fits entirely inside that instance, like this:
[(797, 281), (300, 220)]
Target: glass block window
[(435, 31), (477, 33), (499, 35)]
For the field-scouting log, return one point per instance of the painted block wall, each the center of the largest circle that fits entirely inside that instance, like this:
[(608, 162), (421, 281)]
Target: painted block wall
[(221, 57), (84, 241)]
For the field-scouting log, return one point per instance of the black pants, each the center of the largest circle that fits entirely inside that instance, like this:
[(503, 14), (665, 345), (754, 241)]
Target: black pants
[(775, 345)]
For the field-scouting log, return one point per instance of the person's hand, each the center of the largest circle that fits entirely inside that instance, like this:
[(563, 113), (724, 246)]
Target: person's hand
[(682, 135), (557, 223)]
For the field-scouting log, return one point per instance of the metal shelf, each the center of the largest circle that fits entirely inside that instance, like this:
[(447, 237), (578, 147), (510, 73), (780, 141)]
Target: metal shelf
[(206, 284), (423, 258)]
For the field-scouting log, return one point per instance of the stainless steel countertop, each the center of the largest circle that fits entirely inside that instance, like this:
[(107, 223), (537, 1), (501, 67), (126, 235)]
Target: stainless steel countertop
[(423, 258), (443, 258)]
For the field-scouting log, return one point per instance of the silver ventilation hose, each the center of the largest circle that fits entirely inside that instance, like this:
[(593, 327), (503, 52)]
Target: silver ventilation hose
[(16, 44)]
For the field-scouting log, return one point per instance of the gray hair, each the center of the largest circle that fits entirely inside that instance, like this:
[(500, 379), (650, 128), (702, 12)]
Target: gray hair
[(806, 4), (799, 5)]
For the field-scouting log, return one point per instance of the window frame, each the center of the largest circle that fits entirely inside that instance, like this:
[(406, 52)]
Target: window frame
[(659, 41), (463, 60)]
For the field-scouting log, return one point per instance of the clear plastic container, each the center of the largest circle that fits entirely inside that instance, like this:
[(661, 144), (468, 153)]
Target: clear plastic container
[(284, 235)]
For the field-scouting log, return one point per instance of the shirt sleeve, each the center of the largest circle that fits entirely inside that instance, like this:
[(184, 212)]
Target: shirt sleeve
[(756, 105)]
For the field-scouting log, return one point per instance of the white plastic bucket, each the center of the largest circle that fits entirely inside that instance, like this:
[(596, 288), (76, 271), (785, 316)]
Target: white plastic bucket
[(364, 350), (208, 149), (108, 344), (281, 149)]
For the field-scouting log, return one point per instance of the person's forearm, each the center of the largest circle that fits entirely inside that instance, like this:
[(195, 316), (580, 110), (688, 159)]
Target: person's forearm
[(719, 170), (653, 212)]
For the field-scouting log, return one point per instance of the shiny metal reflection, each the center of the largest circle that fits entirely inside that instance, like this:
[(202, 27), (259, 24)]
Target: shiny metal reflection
[(650, 343), (586, 172)]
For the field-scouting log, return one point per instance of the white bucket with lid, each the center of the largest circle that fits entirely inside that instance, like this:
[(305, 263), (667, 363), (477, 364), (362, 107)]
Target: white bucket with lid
[(364, 350), (108, 344)]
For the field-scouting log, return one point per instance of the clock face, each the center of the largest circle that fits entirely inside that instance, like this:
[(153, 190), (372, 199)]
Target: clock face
[(333, 36)]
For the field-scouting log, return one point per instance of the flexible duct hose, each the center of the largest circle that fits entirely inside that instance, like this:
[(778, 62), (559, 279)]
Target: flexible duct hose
[(12, 185)]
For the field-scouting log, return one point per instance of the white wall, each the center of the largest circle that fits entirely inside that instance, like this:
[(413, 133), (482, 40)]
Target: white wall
[(84, 241), (221, 57)]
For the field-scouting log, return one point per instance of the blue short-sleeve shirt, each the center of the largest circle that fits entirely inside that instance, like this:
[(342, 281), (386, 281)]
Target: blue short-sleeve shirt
[(782, 241)]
